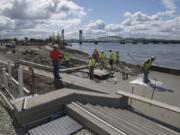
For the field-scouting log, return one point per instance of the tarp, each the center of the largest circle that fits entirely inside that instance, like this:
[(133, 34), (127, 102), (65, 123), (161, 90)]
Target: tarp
[(139, 81)]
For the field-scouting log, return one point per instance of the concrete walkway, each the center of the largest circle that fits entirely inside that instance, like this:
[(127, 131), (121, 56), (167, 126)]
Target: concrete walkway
[(169, 93)]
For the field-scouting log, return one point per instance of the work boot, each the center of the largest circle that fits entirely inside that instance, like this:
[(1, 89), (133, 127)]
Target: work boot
[(58, 84)]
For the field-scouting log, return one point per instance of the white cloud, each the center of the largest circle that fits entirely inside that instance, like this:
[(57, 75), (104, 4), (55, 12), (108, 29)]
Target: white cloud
[(169, 4), (30, 12), (39, 14), (39, 9), (57, 25), (152, 25), (114, 28), (98, 24), (6, 23), (20, 17), (138, 17), (98, 28), (71, 8)]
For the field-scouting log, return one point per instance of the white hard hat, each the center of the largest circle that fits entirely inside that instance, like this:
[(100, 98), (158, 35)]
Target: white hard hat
[(152, 57), (55, 46)]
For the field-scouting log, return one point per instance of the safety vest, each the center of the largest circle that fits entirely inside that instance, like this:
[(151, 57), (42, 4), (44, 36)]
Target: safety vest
[(91, 62), (95, 51), (117, 56), (66, 57), (147, 65), (111, 56), (103, 58)]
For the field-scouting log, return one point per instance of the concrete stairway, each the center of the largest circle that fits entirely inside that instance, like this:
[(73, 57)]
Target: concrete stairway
[(126, 121)]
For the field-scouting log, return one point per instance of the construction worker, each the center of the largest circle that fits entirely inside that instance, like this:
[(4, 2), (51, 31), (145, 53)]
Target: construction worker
[(146, 68), (111, 58), (92, 64), (55, 54), (117, 58), (102, 58), (96, 55), (66, 59)]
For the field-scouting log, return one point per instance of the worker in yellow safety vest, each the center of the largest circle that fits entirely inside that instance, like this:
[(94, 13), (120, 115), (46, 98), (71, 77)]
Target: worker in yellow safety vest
[(146, 68), (67, 59), (111, 58), (102, 58), (92, 64), (117, 58), (96, 55)]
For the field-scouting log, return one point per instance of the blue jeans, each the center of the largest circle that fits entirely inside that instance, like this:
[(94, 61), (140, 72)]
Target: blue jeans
[(145, 79), (56, 69)]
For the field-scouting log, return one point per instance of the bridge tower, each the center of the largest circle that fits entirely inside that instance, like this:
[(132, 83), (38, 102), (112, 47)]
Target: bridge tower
[(62, 34), (80, 36)]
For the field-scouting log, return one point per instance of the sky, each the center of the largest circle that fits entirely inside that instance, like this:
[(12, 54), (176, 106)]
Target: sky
[(97, 18)]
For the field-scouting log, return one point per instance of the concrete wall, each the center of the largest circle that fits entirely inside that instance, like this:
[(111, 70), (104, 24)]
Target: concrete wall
[(42, 106), (166, 70)]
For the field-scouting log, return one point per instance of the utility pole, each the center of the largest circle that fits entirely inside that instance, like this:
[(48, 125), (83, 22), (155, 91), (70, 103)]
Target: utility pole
[(80, 37)]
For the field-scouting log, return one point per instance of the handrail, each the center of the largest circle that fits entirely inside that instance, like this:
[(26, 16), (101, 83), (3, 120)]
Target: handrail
[(150, 101)]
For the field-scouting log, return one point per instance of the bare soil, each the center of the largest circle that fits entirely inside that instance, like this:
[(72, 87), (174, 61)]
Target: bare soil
[(40, 54)]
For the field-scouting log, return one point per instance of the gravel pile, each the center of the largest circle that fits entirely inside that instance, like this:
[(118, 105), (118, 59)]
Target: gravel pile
[(6, 126)]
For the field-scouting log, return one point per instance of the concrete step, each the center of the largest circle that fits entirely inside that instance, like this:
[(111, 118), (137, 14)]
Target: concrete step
[(113, 121), (131, 121), (120, 114), (91, 121), (148, 123), (139, 120)]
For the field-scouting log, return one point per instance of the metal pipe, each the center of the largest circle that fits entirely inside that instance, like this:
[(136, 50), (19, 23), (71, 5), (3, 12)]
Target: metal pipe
[(20, 80)]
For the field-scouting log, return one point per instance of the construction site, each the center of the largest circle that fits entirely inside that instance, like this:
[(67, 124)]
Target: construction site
[(113, 103)]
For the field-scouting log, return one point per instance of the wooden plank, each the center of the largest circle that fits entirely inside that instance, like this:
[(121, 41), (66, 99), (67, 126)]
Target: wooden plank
[(81, 60), (149, 101), (73, 69), (48, 68), (36, 65)]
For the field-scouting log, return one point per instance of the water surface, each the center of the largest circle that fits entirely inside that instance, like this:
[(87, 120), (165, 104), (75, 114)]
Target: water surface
[(167, 55)]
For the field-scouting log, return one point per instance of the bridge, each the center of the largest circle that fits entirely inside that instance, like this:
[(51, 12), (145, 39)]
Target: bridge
[(118, 39)]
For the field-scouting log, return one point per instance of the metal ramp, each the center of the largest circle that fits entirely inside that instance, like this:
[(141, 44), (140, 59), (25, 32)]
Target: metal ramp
[(62, 126)]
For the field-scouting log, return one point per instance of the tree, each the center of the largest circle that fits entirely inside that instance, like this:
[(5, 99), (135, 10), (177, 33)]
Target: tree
[(26, 39), (15, 40)]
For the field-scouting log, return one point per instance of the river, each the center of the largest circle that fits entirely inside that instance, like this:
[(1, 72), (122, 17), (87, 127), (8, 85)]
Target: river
[(167, 55)]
